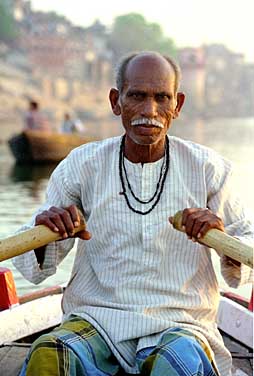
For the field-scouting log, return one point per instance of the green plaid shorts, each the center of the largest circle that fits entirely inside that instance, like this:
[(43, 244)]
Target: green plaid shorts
[(75, 348)]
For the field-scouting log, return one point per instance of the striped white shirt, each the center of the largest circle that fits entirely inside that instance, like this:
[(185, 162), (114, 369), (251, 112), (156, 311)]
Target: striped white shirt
[(138, 276)]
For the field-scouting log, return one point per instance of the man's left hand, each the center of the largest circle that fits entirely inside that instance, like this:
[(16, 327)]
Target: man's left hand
[(197, 221)]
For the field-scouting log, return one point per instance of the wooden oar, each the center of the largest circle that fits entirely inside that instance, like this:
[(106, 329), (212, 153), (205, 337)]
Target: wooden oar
[(222, 242), (34, 238), (41, 235)]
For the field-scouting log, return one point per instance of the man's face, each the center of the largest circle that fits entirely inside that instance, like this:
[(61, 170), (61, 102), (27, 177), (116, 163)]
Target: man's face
[(148, 101)]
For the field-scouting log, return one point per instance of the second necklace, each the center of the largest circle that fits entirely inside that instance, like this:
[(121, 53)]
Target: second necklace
[(159, 186)]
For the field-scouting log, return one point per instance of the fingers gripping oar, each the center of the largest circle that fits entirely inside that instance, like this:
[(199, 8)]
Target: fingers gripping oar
[(222, 242), (34, 238)]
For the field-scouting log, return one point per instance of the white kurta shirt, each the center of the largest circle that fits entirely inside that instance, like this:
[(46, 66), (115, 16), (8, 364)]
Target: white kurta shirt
[(137, 276)]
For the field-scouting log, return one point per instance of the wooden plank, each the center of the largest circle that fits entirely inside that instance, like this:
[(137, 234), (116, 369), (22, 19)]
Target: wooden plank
[(242, 356), (31, 317), (239, 372), (11, 359), (235, 320)]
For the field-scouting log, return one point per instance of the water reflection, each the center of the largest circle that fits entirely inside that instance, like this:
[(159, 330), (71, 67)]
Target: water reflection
[(22, 190), (33, 177), (34, 173)]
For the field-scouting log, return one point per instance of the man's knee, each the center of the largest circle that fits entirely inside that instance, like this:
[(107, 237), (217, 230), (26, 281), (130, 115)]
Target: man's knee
[(181, 355), (73, 348), (44, 339), (44, 355)]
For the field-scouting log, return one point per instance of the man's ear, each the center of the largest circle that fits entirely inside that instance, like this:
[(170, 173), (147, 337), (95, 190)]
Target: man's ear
[(180, 101), (114, 101)]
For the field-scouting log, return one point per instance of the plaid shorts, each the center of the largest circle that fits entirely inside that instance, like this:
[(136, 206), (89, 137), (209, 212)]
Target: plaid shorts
[(76, 348)]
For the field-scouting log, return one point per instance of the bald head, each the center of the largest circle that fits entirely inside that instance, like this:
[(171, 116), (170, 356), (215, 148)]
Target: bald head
[(150, 60)]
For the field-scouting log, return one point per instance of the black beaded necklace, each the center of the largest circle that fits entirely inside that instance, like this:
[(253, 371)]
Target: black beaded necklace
[(159, 186)]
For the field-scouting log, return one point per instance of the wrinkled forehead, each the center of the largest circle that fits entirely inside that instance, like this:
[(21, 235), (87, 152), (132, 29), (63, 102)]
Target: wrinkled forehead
[(149, 72)]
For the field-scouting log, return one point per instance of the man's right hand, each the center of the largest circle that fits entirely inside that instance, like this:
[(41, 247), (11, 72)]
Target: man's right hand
[(63, 221)]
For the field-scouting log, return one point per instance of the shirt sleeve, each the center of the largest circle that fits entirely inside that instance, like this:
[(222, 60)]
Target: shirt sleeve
[(238, 222), (60, 193)]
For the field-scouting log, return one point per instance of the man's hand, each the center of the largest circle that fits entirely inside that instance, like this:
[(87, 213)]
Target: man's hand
[(197, 221), (62, 221)]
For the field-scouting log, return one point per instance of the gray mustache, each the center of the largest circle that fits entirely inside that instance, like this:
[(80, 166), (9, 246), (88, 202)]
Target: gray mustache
[(148, 122)]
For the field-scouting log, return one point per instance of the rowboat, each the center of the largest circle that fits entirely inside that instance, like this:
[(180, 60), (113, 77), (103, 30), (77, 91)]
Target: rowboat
[(24, 319), (33, 146), (23, 322)]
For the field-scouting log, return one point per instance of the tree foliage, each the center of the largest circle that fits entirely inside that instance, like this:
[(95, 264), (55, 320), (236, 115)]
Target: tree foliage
[(131, 32), (7, 25)]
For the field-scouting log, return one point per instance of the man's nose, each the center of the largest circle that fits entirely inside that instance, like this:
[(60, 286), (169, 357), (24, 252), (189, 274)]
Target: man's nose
[(149, 108)]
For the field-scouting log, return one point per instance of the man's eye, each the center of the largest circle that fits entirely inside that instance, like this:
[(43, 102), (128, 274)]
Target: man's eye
[(136, 95), (162, 97)]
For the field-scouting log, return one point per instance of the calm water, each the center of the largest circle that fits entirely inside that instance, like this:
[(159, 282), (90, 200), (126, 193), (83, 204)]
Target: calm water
[(22, 188)]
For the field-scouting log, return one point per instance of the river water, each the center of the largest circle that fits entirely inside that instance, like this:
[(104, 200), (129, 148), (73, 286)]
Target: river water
[(22, 188)]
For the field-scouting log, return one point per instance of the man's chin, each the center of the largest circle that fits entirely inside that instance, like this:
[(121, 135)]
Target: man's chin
[(146, 139)]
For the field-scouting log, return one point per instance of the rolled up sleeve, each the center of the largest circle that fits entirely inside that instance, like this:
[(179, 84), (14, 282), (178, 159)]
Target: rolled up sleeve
[(60, 193), (238, 222)]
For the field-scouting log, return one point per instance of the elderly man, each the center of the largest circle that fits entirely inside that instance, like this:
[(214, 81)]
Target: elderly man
[(142, 298)]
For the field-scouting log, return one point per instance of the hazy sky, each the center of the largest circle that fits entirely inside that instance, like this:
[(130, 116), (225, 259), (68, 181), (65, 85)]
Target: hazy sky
[(188, 22)]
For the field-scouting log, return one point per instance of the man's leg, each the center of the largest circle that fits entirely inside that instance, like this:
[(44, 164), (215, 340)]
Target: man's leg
[(179, 353), (75, 348)]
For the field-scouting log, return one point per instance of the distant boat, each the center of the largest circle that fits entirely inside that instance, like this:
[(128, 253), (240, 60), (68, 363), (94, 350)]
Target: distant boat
[(32, 146)]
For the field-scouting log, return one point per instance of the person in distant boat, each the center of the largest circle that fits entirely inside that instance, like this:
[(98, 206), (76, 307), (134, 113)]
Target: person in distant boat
[(35, 120), (72, 125), (79, 127), (68, 124), (142, 297)]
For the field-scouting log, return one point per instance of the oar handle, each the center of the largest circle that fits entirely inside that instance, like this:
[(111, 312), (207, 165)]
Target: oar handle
[(222, 242), (36, 237)]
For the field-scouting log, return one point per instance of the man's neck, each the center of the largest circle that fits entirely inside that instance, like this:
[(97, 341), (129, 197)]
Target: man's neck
[(137, 153)]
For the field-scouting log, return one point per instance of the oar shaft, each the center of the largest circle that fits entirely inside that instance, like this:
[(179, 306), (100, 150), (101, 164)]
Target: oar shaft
[(41, 235), (222, 242), (36, 237)]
